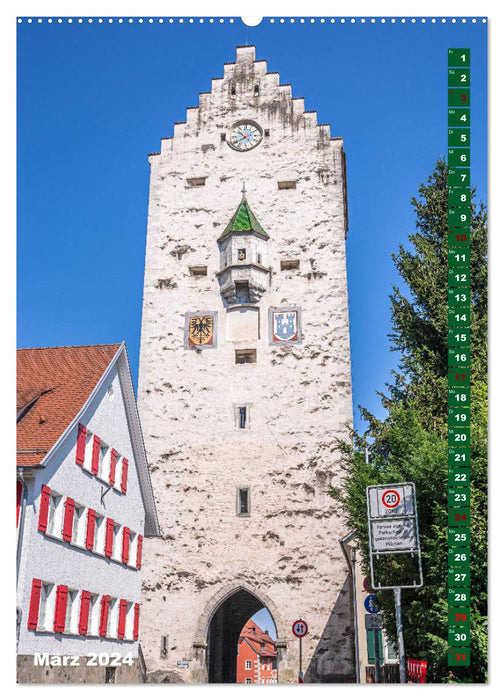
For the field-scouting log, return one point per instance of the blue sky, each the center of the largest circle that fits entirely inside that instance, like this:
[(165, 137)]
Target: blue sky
[(95, 99)]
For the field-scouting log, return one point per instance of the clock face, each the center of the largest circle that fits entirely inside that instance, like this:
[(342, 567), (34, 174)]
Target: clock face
[(244, 136)]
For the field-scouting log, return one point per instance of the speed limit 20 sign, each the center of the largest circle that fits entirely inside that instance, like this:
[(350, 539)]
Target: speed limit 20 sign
[(391, 498), (299, 628)]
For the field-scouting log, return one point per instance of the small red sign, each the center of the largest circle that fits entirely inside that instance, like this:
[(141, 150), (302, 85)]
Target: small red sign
[(367, 584), (299, 628), (391, 498)]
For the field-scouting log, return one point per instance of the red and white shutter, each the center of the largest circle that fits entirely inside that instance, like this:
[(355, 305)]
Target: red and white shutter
[(81, 445), (68, 519), (109, 537), (104, 612), (60, 611), (34, 604), (90, 530), (139, 552), (123, 606), (124, 479), (136, 619), (113, 461), (44, 508), (125, 545), (84, 612), (96, 455)]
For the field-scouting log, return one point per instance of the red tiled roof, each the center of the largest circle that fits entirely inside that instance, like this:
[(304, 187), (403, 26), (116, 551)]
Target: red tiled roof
[(255, 637), (56, 382)]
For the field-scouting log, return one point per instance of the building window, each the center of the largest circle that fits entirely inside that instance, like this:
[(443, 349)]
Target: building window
[(198, 271), (110, 674), (242, 417), (243, 501), (113, 618), (263, 647), (117, 543), (242, 293), (233, 90), (196, 181), (248, 680), (130, 614), (223, 137), (94, 615), (266, 132), (54, 516), (99, 537), (248, 664), (104, 462), (256, 90), (242, 253), (259, 258), (289, 264), (71, 612), (287, 185), (78, 525), (45, 607), (244, 357)]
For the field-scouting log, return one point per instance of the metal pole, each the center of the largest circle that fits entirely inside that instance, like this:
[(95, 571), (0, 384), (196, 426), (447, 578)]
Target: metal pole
[(376, 656), (400, 638), (300, 659), (356, 620)]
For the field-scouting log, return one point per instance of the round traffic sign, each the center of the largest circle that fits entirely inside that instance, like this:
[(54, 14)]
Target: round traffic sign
[(299, 628), (367, 584), (371, 604), (391, 498)]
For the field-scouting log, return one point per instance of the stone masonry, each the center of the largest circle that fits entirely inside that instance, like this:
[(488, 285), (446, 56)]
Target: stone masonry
[(285, 554)]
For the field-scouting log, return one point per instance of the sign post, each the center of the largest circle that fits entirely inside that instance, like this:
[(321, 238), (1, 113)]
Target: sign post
[(300, 629), (393, 530)]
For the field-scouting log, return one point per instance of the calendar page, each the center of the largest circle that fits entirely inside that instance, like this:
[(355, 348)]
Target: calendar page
[(252, 349)]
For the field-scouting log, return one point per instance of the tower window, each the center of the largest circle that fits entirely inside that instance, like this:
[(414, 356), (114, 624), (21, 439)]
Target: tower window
[(223, 137), (266, 132), (196, 181), (242, 417), (259, 258), (242, 293), (287, 184), (289, 264), (243, 501), (198, 271), (244, 357), (256, 90), (233, 90)]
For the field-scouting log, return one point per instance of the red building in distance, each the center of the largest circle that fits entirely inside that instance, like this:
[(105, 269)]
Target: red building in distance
[(257, 659)]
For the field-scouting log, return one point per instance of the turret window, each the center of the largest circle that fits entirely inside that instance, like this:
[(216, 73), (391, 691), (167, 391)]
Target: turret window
[(243, 501), (242, 293), (242, 253)]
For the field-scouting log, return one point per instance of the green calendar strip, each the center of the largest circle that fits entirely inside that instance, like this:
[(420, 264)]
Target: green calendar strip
[(459, 338), (459, 616), (459, 356), (459, 496), (459, 177), (459, 58)]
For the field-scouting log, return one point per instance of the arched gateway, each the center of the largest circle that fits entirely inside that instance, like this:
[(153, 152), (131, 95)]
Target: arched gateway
[(224, 625), (244, 383)]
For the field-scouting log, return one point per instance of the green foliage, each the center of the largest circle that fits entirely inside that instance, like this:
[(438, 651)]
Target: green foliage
[(410, 444)]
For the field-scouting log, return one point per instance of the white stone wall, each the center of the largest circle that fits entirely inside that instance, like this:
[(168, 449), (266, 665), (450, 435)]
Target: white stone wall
[(56, 561), (287, 551)]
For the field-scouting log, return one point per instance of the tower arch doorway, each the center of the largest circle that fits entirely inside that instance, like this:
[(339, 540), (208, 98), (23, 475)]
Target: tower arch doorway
[(224, 631)]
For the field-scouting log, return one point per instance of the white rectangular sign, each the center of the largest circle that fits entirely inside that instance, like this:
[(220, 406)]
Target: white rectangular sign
[(388, 501), (389, 535)]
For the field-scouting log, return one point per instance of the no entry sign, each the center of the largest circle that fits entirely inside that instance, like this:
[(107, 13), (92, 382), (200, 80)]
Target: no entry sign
[(299, 628)]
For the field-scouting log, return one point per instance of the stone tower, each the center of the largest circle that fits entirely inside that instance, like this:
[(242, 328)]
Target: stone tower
[(244, 382)]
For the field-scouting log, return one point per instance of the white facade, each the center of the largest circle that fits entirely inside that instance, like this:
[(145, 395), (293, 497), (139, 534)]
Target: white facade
[(46, 556), (285, 552)]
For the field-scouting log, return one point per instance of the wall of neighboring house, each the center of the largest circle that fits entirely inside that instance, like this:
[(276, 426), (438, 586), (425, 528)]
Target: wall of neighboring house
[(50, 559), (246, 657)]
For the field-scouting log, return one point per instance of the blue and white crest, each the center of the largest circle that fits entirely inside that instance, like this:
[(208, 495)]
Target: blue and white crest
[(285, 326)]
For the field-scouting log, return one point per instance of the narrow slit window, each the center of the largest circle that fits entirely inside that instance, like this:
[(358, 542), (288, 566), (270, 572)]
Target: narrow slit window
[(289, 264), (287, 184), (256, 90), (223, 137), (242, 417), (198, 271), (196, 181), (259, 258), (244, 357), (233, 90), (243, 505)]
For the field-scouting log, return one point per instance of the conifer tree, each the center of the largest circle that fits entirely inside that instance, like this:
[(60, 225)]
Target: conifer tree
[(410, 443)]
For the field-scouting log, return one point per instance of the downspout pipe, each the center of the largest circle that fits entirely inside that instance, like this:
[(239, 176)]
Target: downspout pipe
[(356, 618), (21, 521)]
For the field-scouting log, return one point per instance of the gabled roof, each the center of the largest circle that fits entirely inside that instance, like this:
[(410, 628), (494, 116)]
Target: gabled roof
[(55, 386), (243, 221), (255, 636)]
